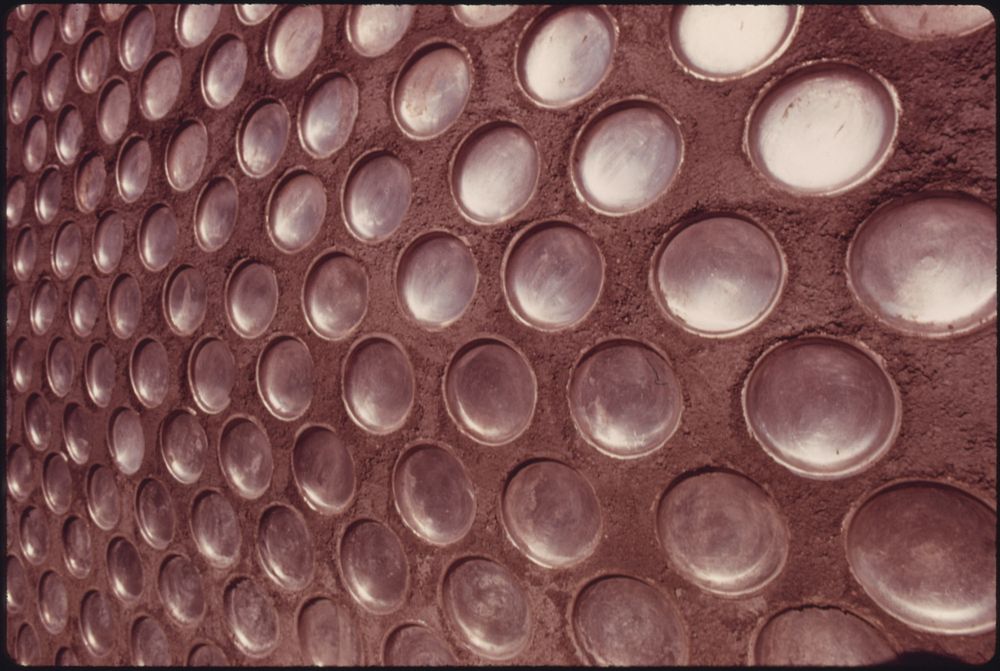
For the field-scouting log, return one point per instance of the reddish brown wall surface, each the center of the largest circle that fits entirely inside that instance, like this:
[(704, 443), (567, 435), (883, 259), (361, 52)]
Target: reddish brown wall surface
[(946, 141)]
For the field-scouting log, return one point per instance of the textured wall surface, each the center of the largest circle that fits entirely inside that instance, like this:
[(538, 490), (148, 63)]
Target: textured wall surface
[(413, 335)]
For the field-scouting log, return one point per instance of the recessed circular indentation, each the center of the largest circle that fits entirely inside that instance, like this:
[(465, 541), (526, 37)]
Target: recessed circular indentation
[(926, 554), (728, 41), (488, 607), (109, 242), (436, 279), (207, 654), (184, 445), (21, 94), (296, 209), (154, 512), (625, 398), (157, 238), (328, 635), (13, 309), (35, 144), (293, 40), (98, 623), (182, 590), (60, 366), (926, 266), (56, 81), (433, 494), (34, 533), (124, 306), (76, 432), (494, 173), (25, 253), (621, 621), (819, 636), (124, 570), (113, 113), (186, 154), (431, 91), (67, 246), (69, 134), (126, 441), (284, 547), (285, 377), (565, 55), (67, 657), (57, 483), (553, 276), (17, 194), (245, 457), (252, 14), (490, 391), (551, 513), (626, 157), (48, 193), (323, 470), (373, 30), (18, 589), (160, 85), (150, 646), (718, 277), (334, 295), (26, 648), (211, 374), (74, 22), (22, 365), (185, 300), (149, 369), (53, 602), (378, 384), (374, 566), (194, 23), (251, 298), (91, 177), (845, 116), (103, 502), (252, 618), (135, 43), (92, 61), (215, 214), (822, 408), (37, 422), (327, 115), (19, 103), (216, 529), (262, 137), (417, 645), (43, 32), (20, 473), (84, 306), (224, 70), (77, 551), (376, 196), (44, 306), (722, 532), (928, 22), (111, 12), (482, 16)]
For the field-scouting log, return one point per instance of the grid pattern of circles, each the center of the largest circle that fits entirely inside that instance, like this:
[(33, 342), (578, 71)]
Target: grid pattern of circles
[(457, 334)]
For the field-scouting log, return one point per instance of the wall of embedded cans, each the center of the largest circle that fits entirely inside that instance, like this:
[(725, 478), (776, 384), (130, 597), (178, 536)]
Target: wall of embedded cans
[(494, 334)]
